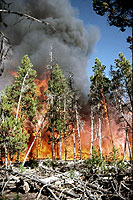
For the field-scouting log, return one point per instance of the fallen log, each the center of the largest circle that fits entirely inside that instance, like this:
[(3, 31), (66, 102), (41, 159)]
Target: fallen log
[(96, 188), (43, 181)]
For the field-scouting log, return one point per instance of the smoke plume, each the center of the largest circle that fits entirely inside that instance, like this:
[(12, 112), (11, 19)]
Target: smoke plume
[(72, 43)]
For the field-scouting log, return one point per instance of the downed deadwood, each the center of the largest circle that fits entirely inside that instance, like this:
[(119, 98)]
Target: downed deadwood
[(46, 182), (72, 183)]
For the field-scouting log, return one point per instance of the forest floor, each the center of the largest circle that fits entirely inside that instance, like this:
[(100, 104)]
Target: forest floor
[(82, 180)]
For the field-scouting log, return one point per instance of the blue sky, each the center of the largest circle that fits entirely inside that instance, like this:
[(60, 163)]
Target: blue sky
[(112, 41)]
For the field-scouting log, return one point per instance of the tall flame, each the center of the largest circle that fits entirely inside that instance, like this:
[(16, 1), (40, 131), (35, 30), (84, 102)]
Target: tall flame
[(42, 147)]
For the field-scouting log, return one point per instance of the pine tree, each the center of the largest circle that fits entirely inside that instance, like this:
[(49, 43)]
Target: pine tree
[(121, 83), (98, 89), (121, 95), (75, 117), (56, 106), (18, 104)]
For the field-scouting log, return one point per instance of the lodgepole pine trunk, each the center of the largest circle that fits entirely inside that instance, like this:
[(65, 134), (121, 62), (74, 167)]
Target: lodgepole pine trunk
[(74, 145), (100, 139), (37, 147), (53, 143), (6, 153), (65, 137), (34, 140), (60, 153), (79, 138), (52, 105), (29, 149), (65, 147), (129, 148), (6, 161), (60, 149), (5, 146), (92, 127), (22, 90), (125, 147)]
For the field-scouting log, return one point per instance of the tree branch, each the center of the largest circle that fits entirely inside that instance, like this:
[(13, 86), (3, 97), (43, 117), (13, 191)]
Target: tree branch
[(20, 14)]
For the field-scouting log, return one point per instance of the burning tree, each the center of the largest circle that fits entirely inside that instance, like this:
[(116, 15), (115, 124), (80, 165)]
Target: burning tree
[(18, 104), (121, 94), (98, 89), (115, 94), (58, 95)]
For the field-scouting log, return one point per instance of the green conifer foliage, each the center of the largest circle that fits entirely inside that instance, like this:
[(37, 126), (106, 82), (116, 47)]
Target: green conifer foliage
[(99, 82), (121, 89), (122, 78), (18, 104), (57, 104)]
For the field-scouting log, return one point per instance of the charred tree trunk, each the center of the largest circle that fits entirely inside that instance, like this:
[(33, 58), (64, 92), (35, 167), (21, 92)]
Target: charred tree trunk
[(92, 124), (79, 138)]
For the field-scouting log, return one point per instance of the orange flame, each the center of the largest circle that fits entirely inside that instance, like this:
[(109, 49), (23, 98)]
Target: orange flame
[(42, 147)]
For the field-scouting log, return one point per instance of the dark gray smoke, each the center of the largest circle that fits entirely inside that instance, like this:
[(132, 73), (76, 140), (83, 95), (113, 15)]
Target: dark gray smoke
[(72, 43)]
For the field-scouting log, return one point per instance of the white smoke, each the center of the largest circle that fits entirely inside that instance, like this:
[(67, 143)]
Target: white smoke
[(72, 43)]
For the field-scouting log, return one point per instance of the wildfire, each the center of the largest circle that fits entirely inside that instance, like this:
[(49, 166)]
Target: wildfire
[(42, 147)]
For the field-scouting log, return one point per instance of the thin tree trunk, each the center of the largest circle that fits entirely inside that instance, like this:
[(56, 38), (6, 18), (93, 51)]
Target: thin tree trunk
[(74, 146), (129, 148), (79, 139), (37, 147), (105, 107), (53, 145), (6, 161), (29, 149), (5, 145), (22, 90), (65, 147), (60, 153), (52, 103), (65, 137), (125, 146), (37, 142), (119, 108), (100, 139), (34, 140), (6, 153), (92, 123)]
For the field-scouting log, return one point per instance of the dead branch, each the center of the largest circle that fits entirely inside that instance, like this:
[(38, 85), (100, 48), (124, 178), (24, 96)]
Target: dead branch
[(55, 184), (4, 50), (20, 14)]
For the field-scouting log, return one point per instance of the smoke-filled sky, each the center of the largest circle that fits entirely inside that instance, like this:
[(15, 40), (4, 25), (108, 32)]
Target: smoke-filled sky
[(81, 36), (72, 42)]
